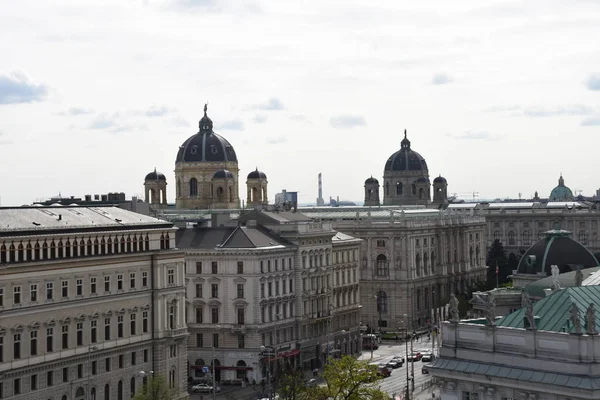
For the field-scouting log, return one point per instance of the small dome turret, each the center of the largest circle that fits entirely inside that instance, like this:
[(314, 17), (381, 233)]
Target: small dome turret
[(223, 174), (440, 179), (256, 174), (155, 176), (371, 181)]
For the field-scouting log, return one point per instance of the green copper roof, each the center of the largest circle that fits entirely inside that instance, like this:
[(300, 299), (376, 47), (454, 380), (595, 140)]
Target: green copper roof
[(566, 280), (552, 312)]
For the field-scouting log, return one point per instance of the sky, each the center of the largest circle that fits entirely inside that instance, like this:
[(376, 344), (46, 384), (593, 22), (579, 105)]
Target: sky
[(499, 97)]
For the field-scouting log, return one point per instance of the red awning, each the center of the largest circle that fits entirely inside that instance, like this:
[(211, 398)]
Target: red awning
[(292, 353), (222, 367)]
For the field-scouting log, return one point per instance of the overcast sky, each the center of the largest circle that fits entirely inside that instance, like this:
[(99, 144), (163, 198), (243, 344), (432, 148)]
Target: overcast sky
[(500, 97)]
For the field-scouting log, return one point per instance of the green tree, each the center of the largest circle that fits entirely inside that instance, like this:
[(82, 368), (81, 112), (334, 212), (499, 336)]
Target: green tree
[(348, 379), (156, 389), (290, 384)]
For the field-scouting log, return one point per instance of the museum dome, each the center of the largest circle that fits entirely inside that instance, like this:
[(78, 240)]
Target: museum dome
[(256, 174), (155, 176), (405, 159), (440, 179), (371, 181), (559, 249), (561, 192), (206, 145), (223, 174)]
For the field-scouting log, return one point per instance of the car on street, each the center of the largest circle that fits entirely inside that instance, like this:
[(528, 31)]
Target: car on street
[(415, 356), (204, 388), (399, 358), (311, 382), (424, 370), (393, 364), (427, 357)]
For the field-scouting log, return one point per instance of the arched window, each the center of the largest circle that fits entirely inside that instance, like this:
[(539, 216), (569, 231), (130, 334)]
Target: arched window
[(433, 262), (64, 397), (497, 236), (3, 258), (21, 252), (511, 238), (45, 250), (61, 249), (471, 252), (132, 386), (418, 264), (583, 237), (28, 251), (103, 246), (122, 244), (107, 392), (68, 249), (193, 187), (382, 302), (120, 390), (96, 246), (36, 250), (526, 238), (477, 253), (89, 247), (399, 188), (109, 247), (425, 262), (52, 250), (80, 394), (240, 373), (135, 243), (382, 265), (93, 394), (147, 243), (220, 194), (420, 193)]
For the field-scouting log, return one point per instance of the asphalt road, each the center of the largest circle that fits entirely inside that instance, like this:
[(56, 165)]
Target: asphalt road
[(396, 383)]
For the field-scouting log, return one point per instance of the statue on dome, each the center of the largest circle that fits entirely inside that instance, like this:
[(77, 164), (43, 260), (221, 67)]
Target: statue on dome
[(575, 319)]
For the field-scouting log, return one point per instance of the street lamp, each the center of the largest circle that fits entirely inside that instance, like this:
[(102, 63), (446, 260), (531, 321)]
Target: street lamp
[(148, 383), (214, 367), (379, 308), (271, 350), (406, 346)]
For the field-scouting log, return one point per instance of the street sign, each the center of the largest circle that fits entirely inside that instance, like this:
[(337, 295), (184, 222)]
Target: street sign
[(205, 370)]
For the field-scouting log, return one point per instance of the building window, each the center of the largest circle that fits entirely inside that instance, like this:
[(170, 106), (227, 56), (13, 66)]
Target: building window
[(193, 187), (526, 238), (65, 374), (241, 316), (79, 287), (511, 238), (262, 269), (171, 276), (80, 334), (382, 265), (120, 282), (270, 289), (199, 340), (497, 236), (146, 355), (470, 396), (199, 312), (17, 386), (214, 290), (214, 267), (144, 279), (380, 243), (49, 290), (120, 326), (132, 324), (107, 284), (107, 364), (214, 315), (94, 367), (50, 378), (262, 290), (241, 342), (94, 332), (49, 340), (93, 281), (199, 290), (215, 340), (79, 371), (198, 267), (65, 337), (32, 343), (145, 322), (106, 328), (17, 346), (17, 295), (583, 238), (240, 267), (132, 280), (240, 290), (33, 382), (171, 316), (121, 361)]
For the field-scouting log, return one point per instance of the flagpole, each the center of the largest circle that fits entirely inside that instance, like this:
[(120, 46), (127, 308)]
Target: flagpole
[(497, 274)]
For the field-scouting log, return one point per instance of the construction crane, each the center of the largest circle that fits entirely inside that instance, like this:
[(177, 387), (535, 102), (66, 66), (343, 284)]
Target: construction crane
[(474, 195)]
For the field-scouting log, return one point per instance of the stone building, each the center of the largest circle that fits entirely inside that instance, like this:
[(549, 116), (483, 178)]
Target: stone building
[(90, 298), (545, 351), (411, 260), (278, 280), (155, 188), (206, 171), (519, 225)]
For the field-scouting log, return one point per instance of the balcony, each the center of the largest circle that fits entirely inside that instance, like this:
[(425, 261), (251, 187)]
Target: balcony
[(175, 332), (238, 328)]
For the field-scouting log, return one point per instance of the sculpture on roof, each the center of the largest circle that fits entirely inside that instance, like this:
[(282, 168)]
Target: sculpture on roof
[(453, 309), (529, 312), (486, 303), (555, 274), (578, 277), (590, 320), (575, 319)]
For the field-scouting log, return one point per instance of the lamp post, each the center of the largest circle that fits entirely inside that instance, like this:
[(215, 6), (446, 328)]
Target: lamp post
[(143, 374), (379, 309), (90, 349), (406, 352), (433, 322), (271, 350), (214, 367)]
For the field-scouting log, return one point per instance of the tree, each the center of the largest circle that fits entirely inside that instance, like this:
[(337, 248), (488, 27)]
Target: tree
[(156, 389), (290, 384), (348, 379)]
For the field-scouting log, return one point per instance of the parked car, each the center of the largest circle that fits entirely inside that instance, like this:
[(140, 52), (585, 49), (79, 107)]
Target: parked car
[(424, 371), (311, 382), (383, 371), (204, 388), (415, 356), (399, 358), (394, 364), (427, 357)]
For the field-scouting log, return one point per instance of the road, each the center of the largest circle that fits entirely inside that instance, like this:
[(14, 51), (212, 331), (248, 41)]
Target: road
[(396, 383)]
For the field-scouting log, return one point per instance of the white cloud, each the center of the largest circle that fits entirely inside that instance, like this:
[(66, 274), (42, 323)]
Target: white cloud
[(232, 125), (272, 104), (17, 87), (156, 111), (441, 79), (260, 118), (593, 82), (347, 121), (277, 140), (592, 121), (75, 111)]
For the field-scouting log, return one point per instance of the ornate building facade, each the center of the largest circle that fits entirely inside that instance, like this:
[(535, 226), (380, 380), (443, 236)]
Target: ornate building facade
[(281, 281), (90, 298), (411, 260), (206, 171)]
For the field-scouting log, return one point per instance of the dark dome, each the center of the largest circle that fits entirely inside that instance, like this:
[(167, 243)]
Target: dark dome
[(405, 159), (371, 181), (559, 249), (440, 179), (256, 174), (155, 176), (206, 146), (422, 180), (223, 174)]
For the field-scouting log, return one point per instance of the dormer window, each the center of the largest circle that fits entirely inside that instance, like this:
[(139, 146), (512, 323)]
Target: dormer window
[(194, 150), (214, 150)]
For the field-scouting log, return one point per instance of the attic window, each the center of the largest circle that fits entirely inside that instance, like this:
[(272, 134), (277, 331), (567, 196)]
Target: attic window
[(213, 149), (194, 150), (48, 212)]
